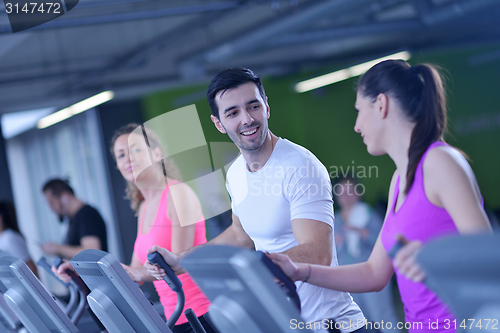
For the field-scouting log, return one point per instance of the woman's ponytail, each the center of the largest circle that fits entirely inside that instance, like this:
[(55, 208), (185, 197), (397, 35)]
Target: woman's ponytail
[(430, 117)]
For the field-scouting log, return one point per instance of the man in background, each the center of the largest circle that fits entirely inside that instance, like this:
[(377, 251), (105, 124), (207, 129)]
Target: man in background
[(86, 228)]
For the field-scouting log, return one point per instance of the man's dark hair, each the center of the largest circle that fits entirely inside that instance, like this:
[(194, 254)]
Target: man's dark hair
[(228, 79), (57, 187)]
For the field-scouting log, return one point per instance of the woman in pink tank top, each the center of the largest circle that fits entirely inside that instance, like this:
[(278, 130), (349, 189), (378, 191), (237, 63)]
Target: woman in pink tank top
[(433, 192), (151, 189)]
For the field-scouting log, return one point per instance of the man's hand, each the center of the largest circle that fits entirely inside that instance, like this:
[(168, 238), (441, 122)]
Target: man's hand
[(170, 258), (60, 272), (50, 248)]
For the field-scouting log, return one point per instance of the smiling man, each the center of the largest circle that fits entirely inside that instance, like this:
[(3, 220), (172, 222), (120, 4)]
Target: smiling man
[(281, 195)]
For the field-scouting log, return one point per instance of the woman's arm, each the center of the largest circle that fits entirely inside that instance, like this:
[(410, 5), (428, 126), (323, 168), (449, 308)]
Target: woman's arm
[(184, 210), (369, 276), (137, 271), (450, 183)]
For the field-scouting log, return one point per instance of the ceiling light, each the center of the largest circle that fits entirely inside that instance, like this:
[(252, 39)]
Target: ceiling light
[(345, 74), (75, 109), (14, 123)]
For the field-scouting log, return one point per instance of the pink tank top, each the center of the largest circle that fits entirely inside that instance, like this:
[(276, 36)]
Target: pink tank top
[(161, 234), (419, 219)]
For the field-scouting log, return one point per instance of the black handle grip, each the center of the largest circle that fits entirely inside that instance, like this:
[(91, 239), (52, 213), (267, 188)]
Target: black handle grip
[(278, 273), (289, 285), (74, 276), (171, 279), (58, 261), (395, 249), (42, 262), (194, 321)]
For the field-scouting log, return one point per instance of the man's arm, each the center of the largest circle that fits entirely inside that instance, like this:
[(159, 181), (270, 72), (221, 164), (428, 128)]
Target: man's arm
[(315, 242), (68, 251), (234, 235)]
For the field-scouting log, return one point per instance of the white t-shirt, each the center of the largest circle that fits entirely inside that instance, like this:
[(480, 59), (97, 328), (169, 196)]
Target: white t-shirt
[(293, 184), (13, 243)]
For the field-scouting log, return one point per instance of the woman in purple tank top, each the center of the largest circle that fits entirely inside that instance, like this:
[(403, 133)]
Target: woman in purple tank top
[(433, 192)]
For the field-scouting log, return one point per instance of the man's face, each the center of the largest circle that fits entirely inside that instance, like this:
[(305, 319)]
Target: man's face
[(56, 204), (243, 116)]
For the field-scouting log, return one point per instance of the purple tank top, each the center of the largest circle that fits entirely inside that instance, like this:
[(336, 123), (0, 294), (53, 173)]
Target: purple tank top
[(419, 219)]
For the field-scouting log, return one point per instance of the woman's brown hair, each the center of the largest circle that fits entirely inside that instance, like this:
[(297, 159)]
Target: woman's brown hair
[(152, 140), (420, 92)]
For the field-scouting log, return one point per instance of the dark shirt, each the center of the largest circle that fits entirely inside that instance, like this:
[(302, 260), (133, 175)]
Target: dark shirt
[(87, 222)]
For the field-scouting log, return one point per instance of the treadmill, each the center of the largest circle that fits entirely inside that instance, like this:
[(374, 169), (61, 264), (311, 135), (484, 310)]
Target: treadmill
[(464, 271), (28, 299)]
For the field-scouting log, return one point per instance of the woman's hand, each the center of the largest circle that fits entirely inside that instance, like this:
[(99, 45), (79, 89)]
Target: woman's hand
[(134, 273), (406, 262), (60, 271), (170, 258), (296, 272)]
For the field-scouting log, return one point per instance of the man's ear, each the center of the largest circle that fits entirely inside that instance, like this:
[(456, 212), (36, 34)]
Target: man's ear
[(218, 124), (382, 105), (268, 111)]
